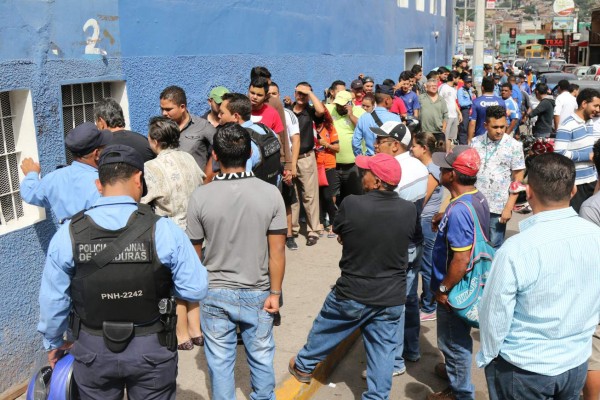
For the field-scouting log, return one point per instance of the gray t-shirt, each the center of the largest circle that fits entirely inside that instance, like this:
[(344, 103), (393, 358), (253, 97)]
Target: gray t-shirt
[(233, 215), (196, 139), (590, 209)]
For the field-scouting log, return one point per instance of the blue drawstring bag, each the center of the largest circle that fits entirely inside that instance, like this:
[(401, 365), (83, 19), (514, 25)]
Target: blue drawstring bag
[(465, 296)]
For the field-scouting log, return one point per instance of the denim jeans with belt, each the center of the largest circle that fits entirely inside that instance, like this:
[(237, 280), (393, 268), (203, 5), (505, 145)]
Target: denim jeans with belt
[(410, 323), (222, 311), (337, 320), (507, 382), (455, 342)]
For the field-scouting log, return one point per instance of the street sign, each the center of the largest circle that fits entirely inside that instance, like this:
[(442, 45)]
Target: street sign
[(490, 4), (563, 7)]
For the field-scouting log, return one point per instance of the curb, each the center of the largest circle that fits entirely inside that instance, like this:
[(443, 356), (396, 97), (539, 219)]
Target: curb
[(291, 389)]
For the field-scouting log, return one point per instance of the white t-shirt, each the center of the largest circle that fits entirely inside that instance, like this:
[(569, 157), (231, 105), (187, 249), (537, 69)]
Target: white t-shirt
[(291, 125), (565, 105), (413, 182), (448, 93)]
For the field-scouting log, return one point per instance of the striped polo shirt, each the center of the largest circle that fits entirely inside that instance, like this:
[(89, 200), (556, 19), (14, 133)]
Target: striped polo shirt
[(575, 139)]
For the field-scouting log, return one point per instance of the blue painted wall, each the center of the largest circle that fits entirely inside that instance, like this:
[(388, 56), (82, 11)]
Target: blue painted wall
[(196, 45)]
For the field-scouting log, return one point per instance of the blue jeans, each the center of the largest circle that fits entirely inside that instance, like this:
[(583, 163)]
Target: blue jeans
[(506, 381), (497, 231), (427, 299), (337, 320), (410, 323), (455, 342), (222, 311)]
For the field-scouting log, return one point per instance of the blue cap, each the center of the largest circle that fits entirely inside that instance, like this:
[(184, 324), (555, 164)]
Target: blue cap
[(120, 153), (85, 138), (384, 89)]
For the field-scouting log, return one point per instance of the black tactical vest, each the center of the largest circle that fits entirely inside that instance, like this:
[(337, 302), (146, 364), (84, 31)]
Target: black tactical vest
[(128, 287), (269, 167)]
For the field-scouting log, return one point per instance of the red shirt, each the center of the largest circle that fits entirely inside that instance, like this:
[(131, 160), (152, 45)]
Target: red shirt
[(269, 116), (398, 106)]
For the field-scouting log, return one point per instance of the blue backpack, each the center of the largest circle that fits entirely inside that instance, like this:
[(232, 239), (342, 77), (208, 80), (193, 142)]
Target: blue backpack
[(465, 296)]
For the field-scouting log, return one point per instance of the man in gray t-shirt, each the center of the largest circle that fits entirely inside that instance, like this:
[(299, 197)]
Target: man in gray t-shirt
[(242, 221)]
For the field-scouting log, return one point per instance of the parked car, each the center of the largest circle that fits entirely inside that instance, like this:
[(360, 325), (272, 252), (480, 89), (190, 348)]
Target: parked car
[(556, 64), (517, 65), (536, 63), (580, 71), (552, 78), (592, 74), (569, 68)]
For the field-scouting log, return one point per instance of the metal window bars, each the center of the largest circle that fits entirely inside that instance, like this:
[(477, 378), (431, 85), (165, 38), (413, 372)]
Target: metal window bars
[(11, 204)]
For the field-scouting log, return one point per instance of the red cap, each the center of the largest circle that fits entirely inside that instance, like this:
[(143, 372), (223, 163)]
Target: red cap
[(384, 166), (462, 158)]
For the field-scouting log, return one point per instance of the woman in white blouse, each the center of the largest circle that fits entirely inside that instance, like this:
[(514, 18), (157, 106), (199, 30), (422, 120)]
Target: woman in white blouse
[(171, 178)]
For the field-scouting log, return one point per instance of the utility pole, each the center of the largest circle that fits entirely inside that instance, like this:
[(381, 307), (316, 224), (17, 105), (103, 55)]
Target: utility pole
[(478, 42)]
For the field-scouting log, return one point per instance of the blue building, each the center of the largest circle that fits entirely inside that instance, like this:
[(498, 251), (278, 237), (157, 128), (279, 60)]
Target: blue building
[(57, 58)]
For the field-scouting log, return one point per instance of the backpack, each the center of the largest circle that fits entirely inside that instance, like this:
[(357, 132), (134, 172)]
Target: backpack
[(269, 167), (465, 296)]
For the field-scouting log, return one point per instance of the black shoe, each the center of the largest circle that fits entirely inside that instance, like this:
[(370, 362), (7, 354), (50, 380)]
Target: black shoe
[(312, 240), (291, 243)]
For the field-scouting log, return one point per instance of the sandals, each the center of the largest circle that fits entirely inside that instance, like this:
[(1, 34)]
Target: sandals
[(312, 240)]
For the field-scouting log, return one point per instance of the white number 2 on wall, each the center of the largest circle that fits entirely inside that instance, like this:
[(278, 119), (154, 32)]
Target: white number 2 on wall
[(91, 41)]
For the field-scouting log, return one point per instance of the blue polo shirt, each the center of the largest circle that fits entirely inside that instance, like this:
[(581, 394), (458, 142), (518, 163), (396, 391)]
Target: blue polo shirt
[(411, 101), (478, 110), (456, 232), (363, 131)]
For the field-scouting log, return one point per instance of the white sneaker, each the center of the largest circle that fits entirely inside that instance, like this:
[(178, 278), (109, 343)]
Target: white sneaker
[(395, 373)]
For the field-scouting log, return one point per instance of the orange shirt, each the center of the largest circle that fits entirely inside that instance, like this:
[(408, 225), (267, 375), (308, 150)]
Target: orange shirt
[(326, 156)]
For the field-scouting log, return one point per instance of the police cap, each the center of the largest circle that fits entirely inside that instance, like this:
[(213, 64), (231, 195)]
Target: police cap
[(120, 153), (85, 138)]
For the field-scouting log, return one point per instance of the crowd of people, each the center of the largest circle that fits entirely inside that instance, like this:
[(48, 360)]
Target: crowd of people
[(403, 173)]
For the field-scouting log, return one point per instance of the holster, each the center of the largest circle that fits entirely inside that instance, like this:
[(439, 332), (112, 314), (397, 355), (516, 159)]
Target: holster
[(74, 324), (168, 336), (117, 335)]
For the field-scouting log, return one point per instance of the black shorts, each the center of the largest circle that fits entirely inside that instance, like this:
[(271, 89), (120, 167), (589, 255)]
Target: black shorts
[(288, 193)]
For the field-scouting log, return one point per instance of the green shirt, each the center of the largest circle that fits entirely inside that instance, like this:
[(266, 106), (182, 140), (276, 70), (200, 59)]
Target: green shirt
[(432, 114), (345, 131)]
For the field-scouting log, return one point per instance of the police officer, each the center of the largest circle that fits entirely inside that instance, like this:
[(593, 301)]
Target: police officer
[(111, 267), (465, 101), (70, 189)]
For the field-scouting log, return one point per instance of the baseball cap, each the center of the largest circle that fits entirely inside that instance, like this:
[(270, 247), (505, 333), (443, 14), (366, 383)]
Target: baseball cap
[(496, 76), (356, 84), (384, 89), (120, 153), (217, 94), (395, 130), (367, 79), (382, 165), (462, 158), (343, 97), (84, 138), (468, 78)]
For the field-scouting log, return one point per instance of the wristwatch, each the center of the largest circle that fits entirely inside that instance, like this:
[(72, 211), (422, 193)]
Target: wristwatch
[(444, 289)]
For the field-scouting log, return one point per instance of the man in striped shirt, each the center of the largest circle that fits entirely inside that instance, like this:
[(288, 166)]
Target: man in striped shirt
[(575, 139), (540, 305)]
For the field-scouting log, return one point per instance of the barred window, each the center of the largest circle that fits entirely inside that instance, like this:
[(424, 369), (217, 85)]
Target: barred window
[(78, 102), (17, 141), (11, 205)]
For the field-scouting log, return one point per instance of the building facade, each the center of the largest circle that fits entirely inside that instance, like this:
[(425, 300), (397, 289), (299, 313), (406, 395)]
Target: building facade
[(59, 57)]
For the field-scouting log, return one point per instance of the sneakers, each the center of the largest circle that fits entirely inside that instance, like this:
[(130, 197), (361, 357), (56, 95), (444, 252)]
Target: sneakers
[(427, 316), (516, 187), (290, 243), (302, 377), (395, 373), (446, 394)]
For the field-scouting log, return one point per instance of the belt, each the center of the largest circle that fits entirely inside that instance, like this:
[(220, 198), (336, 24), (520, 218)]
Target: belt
[(465, 107), (139, 330), (304, 155)]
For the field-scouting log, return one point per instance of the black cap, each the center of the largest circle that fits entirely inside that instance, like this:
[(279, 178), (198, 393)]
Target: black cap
[(367, 79), (395, 130), (384, 89), (496, 76), (468, 78), (85, 138), (120, 153)]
